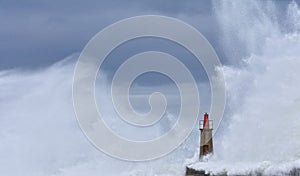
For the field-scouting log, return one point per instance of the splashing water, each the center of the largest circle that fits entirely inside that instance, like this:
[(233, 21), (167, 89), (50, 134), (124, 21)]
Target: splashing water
[(40, 136), (262, 126)]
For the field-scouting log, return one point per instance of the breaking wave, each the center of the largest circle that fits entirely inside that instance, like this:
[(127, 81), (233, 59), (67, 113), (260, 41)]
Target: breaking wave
[(40, 136)]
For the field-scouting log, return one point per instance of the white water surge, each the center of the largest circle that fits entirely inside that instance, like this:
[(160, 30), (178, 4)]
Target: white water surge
[(39, 134), (261, 131)]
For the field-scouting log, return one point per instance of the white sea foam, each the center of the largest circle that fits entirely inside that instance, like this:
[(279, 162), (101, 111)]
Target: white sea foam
[(39, 134), (261, 129)]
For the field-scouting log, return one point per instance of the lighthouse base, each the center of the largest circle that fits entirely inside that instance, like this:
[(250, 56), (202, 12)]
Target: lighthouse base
[(193, 172)]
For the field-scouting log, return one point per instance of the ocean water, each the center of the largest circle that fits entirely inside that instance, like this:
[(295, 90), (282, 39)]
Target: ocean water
[(261, 128), (39, 134)]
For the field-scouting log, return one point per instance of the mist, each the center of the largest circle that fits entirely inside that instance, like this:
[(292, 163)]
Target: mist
[(39, 134)]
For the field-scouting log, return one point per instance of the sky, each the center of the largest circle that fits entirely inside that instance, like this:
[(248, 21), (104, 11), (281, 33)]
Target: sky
[(43, 32), (38, 33)]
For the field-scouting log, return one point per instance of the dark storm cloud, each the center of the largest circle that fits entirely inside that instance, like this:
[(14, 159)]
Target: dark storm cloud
[(38, 32)]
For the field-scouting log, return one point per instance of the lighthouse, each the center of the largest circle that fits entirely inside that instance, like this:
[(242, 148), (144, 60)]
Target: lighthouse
[(206, 140)]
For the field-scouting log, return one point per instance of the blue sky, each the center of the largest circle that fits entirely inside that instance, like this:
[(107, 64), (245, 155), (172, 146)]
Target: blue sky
[(37, 33)]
